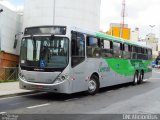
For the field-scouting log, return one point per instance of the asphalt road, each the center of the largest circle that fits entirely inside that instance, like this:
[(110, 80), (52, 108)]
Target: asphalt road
[(143, 99)]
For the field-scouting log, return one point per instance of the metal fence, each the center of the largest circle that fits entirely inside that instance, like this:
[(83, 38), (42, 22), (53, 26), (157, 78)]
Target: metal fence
[(9, 73)]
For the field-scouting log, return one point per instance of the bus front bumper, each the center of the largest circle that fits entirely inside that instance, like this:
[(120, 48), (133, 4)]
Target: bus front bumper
[(64, 87)]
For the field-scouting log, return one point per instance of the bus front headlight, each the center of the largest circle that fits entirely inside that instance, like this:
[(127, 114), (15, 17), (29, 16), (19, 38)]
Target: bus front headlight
[(61, 79), (21, 76)]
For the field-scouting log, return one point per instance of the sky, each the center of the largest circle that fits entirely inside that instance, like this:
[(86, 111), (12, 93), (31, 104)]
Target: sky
[(17, 2), (139, 13)]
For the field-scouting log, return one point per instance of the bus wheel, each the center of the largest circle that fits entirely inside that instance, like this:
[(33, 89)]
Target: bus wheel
[(140, 78), (135, 79), (93, 85)]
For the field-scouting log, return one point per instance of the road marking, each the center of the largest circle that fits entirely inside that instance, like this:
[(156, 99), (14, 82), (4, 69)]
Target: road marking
[(156, 72), (145, 80), (2, 113), (110, 91), (16, 103), (155, 78), (22, 96), (36, 106)]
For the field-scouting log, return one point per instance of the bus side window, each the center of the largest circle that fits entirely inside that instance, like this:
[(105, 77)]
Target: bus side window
[(134, 52), (116, 50), (126, 52), (77, 48), (106, 49), (93, 47), (107, 44), (92, 41)]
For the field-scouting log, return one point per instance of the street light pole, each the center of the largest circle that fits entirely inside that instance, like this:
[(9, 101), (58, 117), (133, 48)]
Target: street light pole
[(1, 10), (54, 11)]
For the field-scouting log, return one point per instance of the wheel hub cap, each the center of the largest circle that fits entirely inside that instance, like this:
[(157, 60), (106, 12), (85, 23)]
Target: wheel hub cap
[(92, 86)]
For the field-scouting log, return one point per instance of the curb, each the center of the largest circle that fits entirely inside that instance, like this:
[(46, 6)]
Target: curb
[(17, 94)]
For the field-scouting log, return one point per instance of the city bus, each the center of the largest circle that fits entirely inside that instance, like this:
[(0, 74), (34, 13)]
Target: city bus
[(65, 59)]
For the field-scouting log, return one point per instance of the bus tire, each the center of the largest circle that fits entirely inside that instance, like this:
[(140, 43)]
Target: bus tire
[(141, 75), (93, 85), (135, 79)]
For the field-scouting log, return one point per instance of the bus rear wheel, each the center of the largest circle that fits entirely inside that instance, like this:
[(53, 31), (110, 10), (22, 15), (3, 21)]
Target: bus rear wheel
[(93, 85), (135, 79)]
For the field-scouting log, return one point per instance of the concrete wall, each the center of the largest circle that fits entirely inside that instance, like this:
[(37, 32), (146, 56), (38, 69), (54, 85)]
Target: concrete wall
[(81, 13), (10, 25)]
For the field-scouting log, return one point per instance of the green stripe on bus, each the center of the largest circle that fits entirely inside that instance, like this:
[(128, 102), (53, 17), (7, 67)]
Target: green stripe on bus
[(127, 67)]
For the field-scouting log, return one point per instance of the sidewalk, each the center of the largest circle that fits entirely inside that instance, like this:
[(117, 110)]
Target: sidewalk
[(12, 89)]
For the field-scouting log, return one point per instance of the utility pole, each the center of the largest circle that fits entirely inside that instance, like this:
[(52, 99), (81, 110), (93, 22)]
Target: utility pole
[(123, 17), (54, 11)]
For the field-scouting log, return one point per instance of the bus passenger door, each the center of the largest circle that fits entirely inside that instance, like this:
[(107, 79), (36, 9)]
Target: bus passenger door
[(108, 64), (78, 61), (107, 75)]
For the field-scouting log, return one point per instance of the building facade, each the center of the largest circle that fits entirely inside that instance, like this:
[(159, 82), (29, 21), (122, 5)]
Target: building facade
[(10, 22), (152, 41), (119, 30), (81, 13), (135, 35)]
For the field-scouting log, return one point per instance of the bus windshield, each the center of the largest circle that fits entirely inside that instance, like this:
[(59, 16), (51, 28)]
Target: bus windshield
[(44, 52)]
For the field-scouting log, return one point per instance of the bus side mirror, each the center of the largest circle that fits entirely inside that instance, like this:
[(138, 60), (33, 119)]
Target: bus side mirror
[(15, 43), (16, 40)]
